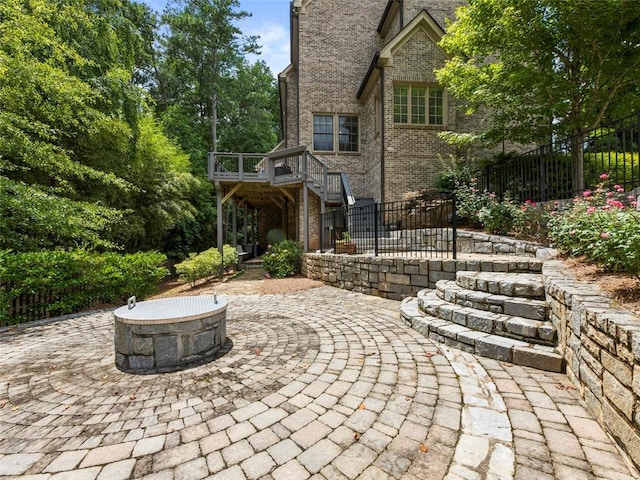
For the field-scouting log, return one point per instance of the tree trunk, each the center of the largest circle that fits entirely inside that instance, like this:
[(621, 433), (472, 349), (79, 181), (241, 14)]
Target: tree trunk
[(577, 161), (214, 121)]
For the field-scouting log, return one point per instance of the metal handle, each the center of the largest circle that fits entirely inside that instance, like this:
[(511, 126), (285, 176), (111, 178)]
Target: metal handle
[(131, 302)]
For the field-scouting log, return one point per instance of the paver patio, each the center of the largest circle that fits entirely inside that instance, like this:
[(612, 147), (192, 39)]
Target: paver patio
[(321, 384)]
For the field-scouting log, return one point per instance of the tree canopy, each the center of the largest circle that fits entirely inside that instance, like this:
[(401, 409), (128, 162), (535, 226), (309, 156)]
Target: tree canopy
[(88, 94), (544, 66)]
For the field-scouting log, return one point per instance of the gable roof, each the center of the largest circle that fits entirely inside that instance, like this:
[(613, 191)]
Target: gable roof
[(301, 3), (422, 21), (390, 11)]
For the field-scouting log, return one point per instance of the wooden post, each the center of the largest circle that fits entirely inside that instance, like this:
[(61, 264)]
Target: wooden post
[(305, 221), (219, 223), (234, 223), (245, 229)]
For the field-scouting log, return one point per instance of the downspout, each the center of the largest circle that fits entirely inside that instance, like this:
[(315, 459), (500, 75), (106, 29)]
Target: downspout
[(297, 20), (401, 14), (382, 124)]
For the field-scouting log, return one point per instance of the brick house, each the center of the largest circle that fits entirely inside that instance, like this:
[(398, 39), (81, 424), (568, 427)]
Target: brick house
[(360, 98)]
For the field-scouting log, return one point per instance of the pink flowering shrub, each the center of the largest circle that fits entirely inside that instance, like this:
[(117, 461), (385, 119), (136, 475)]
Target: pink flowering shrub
[(603, 225)]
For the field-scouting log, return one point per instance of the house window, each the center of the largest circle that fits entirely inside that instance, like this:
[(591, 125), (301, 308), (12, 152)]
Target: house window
[(418, 105), (323, 133), (335, 133)]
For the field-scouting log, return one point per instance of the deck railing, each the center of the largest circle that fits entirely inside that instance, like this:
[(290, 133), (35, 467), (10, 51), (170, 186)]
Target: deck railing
[(282, 167)]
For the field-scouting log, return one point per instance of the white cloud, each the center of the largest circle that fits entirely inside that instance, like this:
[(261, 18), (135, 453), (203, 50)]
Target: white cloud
[(274, 39)]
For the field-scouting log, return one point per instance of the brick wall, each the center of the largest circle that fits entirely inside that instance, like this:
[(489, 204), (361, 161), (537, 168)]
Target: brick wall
[(601, 347), (314, 219), (336, 45)]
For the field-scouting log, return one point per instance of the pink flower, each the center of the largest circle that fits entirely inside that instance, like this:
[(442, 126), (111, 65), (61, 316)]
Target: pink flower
[(605, 235), (631, 198), (620, 190), (615, 203), (586, 193), (616, 187), (604, 176), (606, 207), (572, 232), (591, 209), (609, 194), (553, 213), (634, 204)]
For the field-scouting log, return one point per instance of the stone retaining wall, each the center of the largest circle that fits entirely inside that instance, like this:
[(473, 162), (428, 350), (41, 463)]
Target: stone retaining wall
[(601, 347), (398, 278), (478, 242)]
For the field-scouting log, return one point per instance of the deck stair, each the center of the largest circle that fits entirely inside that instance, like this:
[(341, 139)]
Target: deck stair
[(497, 315)]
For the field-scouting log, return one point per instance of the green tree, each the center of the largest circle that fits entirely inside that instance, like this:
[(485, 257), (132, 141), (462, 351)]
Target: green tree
[(44, 106), (252, 109), (203, 48), (544, 66), (81, 162)]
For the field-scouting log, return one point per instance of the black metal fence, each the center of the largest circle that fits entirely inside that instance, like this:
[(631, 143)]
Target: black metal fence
[(422, 227), (545, 173)]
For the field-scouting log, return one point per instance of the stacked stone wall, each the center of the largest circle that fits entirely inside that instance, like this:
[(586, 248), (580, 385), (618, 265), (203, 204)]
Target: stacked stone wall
[(601, 348), (399, 277)]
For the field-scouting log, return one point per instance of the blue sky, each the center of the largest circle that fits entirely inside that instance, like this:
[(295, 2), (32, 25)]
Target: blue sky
[(269, 20)]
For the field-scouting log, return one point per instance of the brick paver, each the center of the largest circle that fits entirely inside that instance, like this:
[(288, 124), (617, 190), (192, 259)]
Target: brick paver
[(318, 384)]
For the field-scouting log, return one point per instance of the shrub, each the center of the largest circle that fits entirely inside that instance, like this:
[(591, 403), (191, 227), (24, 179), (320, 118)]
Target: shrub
[(533, 224), (229, 257), (454, 172), (501, 216), (469, 202), (199, 265), (602, 225), (206, 264), (282, 259), (58, 282)]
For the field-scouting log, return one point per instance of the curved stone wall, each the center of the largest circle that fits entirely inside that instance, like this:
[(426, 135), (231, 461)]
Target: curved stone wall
[(601, 347)]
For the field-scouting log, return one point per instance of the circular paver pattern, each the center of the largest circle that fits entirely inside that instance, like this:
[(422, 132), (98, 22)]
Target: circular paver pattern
[(322, 384)]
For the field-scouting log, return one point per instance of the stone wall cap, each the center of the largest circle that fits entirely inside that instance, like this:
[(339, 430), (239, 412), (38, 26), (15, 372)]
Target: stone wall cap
[(171, 310)]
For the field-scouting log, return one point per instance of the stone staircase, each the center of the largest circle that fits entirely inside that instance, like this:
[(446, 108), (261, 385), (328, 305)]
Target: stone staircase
[(493, 314)]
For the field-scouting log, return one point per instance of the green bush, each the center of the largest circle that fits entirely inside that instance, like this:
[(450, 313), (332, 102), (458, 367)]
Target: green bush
[(454, 172), (602, 225), (199, 265), (206, 264), (69, 281), (469, 202), (229, 257), (282, 259), (501, 216)]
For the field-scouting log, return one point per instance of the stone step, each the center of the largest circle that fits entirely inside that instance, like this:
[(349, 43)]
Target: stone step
[(450, 291), (479, 343), (526, 285), (515, 327)]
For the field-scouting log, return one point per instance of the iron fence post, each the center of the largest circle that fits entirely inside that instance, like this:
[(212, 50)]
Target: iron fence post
[(454, 226), (333, 232), (375, 229)]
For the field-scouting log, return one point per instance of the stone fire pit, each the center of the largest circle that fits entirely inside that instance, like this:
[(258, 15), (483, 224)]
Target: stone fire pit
[(169, 334)]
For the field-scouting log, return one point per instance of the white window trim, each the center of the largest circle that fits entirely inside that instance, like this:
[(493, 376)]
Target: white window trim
[(336, 133)]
